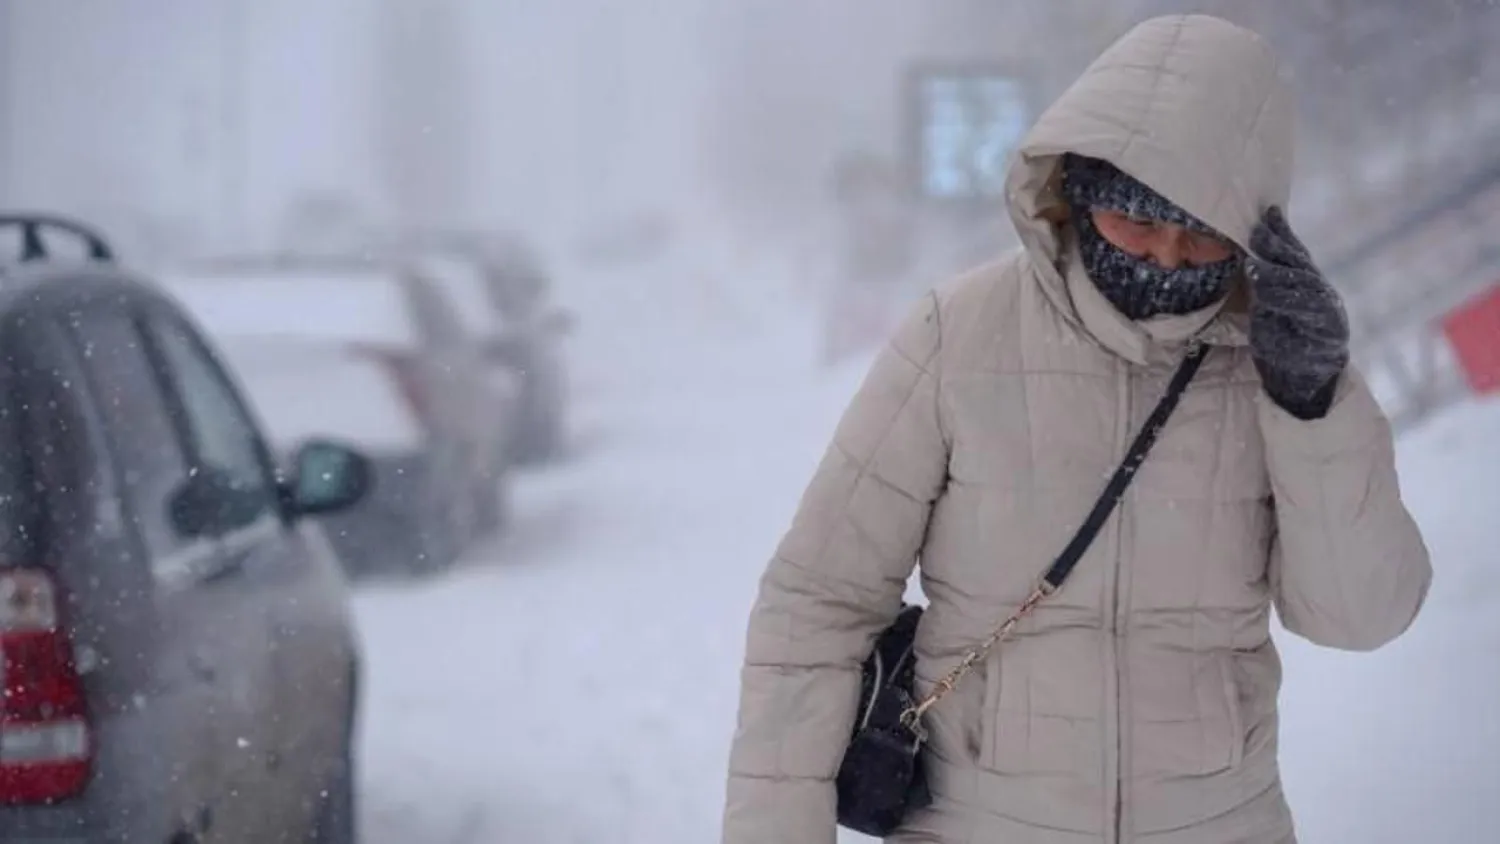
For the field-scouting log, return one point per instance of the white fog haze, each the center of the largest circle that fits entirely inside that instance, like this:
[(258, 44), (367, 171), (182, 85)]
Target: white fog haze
[(410, 471)]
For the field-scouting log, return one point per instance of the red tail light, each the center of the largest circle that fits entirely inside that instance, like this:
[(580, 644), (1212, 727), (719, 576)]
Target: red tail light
[(45, 740)]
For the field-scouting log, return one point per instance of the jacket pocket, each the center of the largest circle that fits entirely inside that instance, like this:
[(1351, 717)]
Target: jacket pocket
[(1209, 741), (989, 705), (1022, 738), (1237, 729)]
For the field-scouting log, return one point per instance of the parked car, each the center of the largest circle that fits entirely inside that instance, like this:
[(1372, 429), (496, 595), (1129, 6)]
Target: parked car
[(331, 324), (176, 651), (525, 328)]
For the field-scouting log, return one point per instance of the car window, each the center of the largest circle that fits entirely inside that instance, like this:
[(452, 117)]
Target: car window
[(221, 436), (21, 491), (55, 467), (133, 410)]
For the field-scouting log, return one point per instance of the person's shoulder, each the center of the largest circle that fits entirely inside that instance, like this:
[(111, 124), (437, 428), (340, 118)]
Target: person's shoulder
[(979, 283), (962, 316), (981, 294)]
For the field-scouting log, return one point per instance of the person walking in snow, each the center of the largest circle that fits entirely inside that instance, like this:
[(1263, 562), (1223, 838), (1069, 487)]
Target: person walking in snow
[(1137, 702)]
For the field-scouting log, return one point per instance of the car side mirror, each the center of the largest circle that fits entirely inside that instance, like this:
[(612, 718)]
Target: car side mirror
[(327, 477)]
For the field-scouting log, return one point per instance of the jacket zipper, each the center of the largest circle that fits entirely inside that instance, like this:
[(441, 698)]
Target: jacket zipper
[(1125, 427)]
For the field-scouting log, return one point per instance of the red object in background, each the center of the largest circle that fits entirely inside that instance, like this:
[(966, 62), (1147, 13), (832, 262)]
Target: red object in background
[(1473, 330)]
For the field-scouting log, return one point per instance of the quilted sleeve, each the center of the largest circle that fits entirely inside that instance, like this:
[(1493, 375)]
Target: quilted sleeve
[(835, 581), (1348, 566)]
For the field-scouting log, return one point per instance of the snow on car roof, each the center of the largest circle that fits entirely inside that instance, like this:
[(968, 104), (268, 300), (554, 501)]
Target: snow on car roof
[(287, 335), (340, 305), (302, 389)]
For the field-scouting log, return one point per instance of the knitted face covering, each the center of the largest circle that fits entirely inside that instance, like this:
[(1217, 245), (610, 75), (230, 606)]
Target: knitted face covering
[(1138, 287)]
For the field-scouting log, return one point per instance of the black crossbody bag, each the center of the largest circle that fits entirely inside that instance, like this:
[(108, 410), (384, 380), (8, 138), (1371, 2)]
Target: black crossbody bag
[(881, 778)]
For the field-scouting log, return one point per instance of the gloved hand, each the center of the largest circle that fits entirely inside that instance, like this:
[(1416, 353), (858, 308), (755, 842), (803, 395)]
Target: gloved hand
[(1299, 333)]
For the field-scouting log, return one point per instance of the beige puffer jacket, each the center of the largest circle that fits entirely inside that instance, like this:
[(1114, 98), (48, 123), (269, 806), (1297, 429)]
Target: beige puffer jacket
[(1139, 704)]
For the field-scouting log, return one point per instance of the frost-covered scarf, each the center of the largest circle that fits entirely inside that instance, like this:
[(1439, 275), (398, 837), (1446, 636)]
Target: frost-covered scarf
[(1138, 287)]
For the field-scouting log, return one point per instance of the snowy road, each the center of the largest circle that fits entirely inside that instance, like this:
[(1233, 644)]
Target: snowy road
[(570, 685), (575, 684)]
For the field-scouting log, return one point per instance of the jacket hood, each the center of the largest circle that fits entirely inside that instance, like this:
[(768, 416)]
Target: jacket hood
[(1192, 105)]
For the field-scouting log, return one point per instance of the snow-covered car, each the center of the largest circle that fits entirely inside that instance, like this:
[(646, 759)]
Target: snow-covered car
[(510, 302), (376, 352)]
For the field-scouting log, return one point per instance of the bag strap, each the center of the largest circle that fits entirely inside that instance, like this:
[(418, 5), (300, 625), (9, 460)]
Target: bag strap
[(1063, 565)]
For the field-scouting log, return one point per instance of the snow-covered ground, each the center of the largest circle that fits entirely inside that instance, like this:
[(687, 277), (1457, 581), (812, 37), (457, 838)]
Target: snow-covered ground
[(576, 683)]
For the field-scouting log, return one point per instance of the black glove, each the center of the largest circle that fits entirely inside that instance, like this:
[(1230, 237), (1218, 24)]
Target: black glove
[(1299, 333)]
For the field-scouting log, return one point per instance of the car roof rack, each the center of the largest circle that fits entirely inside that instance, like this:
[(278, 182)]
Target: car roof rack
[(34, 244)]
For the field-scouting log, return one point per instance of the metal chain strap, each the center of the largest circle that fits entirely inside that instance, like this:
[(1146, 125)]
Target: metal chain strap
[(911, 718)]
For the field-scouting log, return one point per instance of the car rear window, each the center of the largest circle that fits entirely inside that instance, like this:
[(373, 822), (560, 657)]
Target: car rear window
[(21, 493), (19, 510)]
